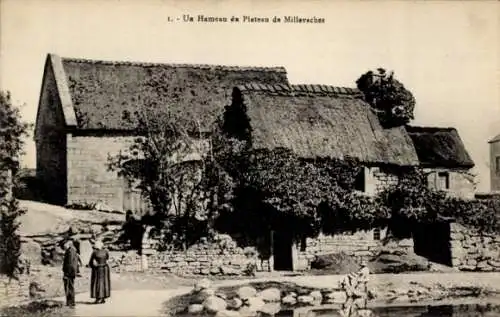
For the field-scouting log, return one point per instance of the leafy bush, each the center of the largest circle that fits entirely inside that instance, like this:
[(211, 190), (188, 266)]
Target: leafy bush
[(11, 143)]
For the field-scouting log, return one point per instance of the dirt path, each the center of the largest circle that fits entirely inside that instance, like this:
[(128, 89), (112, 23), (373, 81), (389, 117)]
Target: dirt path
[(150, 302)]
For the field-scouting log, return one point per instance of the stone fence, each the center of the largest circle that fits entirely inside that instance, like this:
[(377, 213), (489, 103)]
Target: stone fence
[(472, 250), (219, 257), (14, 291)]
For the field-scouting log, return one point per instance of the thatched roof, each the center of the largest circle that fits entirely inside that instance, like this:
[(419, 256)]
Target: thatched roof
[(105, 94), (440, 147), (495, 139), (323, 121)]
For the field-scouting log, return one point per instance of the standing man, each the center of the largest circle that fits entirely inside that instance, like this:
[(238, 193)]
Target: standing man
[(70, 269)]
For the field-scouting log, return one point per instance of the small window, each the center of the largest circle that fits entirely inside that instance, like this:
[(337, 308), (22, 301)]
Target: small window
[(497, 164), (443, 181), (376, 234), (359, 182)]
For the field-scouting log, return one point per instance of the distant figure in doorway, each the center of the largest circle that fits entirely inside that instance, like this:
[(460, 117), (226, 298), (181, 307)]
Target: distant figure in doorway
[(70, 269), (100, 281)]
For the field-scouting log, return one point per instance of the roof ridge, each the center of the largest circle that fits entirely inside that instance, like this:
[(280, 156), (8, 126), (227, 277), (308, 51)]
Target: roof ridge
[(429, 128), (314, 89), (178, 65)]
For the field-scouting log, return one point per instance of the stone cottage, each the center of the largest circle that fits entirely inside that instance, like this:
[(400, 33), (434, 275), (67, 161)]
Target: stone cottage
[(82, 118), (325, 121), (495, 163), (442, 155)]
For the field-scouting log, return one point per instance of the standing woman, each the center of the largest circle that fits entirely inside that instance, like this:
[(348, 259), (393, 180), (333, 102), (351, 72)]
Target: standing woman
[(100, 281)]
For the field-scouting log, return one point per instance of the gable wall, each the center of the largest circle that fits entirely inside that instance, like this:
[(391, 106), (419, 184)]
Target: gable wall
[(51, 142), (89, 179), (494, 175), (461, 184)]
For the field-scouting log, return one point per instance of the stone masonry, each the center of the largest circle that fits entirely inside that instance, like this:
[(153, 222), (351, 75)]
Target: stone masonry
[(472, 250), (219, 257), (89, 178)]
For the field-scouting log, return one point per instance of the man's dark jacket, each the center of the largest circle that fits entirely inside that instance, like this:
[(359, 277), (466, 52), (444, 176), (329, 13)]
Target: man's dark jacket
[(70, 264)]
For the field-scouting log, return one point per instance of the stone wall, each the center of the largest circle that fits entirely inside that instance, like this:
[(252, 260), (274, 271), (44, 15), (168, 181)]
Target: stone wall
[(361, 245), (472, 250), (219, 257), (14, 291), (51, 143), (89, 179)]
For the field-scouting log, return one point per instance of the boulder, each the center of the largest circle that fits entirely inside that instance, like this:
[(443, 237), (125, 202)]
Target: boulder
[(316, 295), (254, 303), (271, 308), (227, 313), (195, 308), (246, 292), (337, 297), (305, 299), (202, 284), (229, 271), (289, 300), (214, 304), (202, 295), (270, 295), (234, 303)]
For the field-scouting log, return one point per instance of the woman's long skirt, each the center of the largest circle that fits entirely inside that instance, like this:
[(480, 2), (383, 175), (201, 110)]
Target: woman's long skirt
[(100, 282)]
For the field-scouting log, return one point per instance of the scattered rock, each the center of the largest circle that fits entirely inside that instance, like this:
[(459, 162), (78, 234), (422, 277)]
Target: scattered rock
[(316, 295), (338, 297), (271, 308), (195, 308), (202, 295), (246, 292), (305, 299), (289, 300), (214, 304), (254, 303), (234, 303), (215, 270), (202, 284), (227, 313), (270, 295)]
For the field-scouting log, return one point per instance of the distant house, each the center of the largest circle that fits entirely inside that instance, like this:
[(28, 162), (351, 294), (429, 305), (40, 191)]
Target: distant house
[(443, 157), (82, 114), (495, 163), (85, 105)]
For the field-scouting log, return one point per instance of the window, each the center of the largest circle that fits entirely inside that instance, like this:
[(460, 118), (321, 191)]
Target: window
[(443, 181), (376, 234), (359, 182), (497, 164)]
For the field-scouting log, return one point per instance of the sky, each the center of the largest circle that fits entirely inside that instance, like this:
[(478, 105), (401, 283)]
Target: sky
[(447, 53)]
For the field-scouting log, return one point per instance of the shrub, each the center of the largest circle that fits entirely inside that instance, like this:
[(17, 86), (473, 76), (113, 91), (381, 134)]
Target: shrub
[(11, 143)]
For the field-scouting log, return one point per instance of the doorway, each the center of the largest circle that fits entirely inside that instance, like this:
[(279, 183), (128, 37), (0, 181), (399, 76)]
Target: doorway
[(282, 251), (433, 242)]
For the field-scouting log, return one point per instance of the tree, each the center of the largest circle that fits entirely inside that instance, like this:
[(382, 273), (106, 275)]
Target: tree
[(393, 102), (12, 131), (170, 162)]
